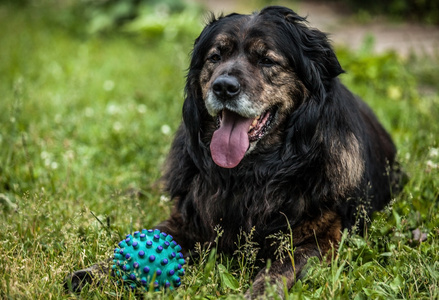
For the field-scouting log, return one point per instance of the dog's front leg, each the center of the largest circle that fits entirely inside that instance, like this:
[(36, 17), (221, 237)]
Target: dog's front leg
[(314, 237), (76, 281), (282, 273)]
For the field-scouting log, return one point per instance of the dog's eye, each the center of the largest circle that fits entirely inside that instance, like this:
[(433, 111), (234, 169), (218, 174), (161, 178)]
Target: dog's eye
[(215, 58), (266, 62)]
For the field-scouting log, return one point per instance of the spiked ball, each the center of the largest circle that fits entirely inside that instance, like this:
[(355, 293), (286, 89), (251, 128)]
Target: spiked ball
[(149, 259)]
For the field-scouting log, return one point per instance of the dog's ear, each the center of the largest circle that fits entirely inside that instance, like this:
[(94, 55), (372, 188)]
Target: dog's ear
[(316, 45), (315, 57), (191, 114), (191, 109), (194, 110)]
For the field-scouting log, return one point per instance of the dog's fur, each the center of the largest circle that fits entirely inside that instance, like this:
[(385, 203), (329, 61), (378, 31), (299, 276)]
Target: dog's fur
[(317, 159)]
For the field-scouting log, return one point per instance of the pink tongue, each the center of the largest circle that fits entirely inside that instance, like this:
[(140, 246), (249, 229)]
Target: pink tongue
[(230, 142)]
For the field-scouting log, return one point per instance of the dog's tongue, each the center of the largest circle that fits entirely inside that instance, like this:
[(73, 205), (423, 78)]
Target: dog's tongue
[(230, 142)]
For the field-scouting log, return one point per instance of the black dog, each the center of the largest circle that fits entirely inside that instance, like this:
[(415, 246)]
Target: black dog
[(270, 139)]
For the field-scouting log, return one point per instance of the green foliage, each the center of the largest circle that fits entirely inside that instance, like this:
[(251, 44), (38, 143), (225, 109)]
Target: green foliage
[(85, 125), (153, 18), (382, 265), (421, 10)]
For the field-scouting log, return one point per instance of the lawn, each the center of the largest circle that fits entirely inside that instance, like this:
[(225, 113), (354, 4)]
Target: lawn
[(86, 121)]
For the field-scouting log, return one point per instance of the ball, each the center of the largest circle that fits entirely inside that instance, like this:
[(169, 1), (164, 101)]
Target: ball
[(150, 259)]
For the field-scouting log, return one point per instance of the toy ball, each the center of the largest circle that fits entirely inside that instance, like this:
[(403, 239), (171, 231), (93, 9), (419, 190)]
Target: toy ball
[(149, 259)]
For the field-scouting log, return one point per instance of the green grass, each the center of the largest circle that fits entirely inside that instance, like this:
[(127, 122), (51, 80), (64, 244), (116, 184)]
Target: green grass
[(85, 125)]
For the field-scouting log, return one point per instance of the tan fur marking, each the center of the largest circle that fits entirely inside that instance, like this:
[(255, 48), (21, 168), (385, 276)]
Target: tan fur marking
[(349, 167), (325, 228)]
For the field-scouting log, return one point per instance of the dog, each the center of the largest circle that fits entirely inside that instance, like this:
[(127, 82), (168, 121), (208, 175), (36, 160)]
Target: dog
[(272, 142)]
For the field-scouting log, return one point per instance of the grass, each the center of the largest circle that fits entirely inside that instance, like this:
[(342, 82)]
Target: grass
[(86, 122)]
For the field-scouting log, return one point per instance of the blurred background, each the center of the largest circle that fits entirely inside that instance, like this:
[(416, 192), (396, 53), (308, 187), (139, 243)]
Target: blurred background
[(90, 97)]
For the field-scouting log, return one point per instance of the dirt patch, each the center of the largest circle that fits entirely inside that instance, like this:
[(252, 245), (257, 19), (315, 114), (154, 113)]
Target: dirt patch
[(404, 38)]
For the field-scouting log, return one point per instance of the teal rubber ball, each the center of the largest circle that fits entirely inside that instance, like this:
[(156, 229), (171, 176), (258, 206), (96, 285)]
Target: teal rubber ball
[(149, 259)]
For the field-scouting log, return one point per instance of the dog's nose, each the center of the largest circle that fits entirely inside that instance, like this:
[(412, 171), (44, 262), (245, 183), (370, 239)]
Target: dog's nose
[(226, 87)]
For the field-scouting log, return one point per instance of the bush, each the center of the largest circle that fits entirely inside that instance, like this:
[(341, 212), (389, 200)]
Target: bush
[(419, 10), (144, 16)]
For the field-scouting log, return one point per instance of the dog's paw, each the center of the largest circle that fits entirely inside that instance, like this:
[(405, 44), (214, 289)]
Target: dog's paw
[(266, 287), (76, 281)]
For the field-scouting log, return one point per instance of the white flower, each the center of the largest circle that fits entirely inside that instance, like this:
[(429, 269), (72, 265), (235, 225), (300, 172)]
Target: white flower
[(108, 85), (47, 162), (141, 108), (164, 198), (112, 109), (45, 155), (117, 126), (434, 152), (431, 166), (166, 129)]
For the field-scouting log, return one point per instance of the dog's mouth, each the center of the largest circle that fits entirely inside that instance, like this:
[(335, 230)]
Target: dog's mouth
[(232, 139), (260, 125)]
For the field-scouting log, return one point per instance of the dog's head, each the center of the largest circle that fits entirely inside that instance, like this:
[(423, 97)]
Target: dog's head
[(248, 75)]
